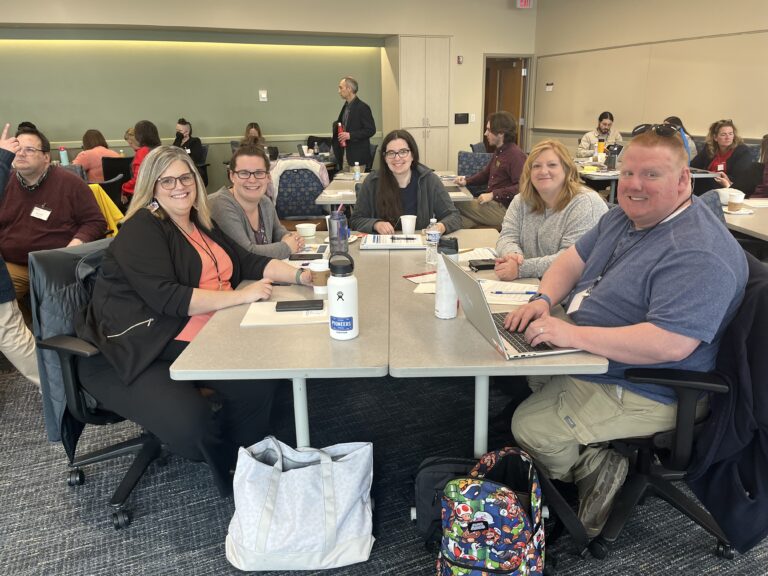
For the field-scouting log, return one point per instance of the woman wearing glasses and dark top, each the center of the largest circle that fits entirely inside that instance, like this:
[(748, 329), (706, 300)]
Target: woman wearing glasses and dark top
[(726, 153), (147, 138), (160, 280), (402, 186), (245, 213)]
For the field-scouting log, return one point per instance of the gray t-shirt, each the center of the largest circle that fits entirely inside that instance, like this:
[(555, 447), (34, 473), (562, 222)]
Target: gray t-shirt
[(686, 275)]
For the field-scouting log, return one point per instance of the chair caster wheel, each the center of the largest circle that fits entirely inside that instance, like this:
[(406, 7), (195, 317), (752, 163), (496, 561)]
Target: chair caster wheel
[(724, 551), (121, 519), (598, 548), (75, 477)]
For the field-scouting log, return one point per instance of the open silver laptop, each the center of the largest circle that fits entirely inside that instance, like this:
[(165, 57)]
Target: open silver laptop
[(511, 345)]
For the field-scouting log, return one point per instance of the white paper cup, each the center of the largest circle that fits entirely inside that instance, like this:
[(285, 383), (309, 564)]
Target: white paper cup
[(306, 230), (408, 224), (735, 201), (723, 194), (320, 273)]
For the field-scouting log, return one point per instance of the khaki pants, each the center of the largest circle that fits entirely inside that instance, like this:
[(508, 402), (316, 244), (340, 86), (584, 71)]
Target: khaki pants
[(20, 278), (17, 342), (564, 417), (475, 214)]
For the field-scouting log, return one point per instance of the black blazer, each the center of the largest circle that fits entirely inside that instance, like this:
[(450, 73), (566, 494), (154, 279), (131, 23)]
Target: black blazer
[(737, 168), (195, 148), (361, 127)]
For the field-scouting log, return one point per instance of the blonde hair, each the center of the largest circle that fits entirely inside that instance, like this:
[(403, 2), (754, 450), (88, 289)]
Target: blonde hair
[(152, 168), (571, 186), (714, 128)]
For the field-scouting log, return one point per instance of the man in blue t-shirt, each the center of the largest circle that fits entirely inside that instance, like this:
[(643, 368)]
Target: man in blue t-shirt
[(654, 283)]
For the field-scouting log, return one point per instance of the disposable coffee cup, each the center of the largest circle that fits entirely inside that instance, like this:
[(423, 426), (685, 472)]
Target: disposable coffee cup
[(320, 273), (735, 201), (408, 224)]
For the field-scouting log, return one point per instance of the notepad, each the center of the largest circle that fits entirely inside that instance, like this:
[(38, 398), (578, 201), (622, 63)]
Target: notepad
[(264, 314), (499, 292), (392, 242)]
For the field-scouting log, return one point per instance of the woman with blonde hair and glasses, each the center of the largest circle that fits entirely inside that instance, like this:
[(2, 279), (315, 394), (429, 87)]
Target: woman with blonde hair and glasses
[(160, 281), (726, 153), (552, 210), (246, 214)]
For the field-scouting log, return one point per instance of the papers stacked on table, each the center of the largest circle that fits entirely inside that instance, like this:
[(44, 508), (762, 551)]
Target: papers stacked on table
[(264, 314), (498, 292), (393, 242)]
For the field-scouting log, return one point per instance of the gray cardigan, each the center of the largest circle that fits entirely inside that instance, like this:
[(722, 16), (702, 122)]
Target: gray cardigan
[(432, 200), (541, 237), (231, 218)]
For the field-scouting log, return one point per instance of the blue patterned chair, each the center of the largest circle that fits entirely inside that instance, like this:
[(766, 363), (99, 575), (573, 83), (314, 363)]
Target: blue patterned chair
[(471, 163), (296, 195)]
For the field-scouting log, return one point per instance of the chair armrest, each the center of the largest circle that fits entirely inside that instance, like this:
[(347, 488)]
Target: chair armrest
[(689, 379), (112, 180), (70, 345)]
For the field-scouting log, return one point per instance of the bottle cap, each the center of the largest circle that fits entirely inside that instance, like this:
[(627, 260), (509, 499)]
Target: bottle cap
[(341, 264)]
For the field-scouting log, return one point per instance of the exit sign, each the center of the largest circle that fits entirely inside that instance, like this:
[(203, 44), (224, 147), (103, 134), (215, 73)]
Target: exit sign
[(523, 3)]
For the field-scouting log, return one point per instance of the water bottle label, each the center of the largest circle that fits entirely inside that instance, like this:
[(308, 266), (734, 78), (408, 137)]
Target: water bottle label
[(341, 323), (433, 236)]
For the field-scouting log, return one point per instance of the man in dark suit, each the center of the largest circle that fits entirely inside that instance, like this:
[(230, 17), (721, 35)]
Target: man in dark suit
[(357, 127)]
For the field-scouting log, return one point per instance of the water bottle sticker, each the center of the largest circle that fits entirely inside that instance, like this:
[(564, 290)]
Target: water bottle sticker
[(341, 323), (433, 236)]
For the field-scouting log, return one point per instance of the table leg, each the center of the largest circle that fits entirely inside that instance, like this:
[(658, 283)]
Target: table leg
[(482, 387), (300, 412), (612, 198)]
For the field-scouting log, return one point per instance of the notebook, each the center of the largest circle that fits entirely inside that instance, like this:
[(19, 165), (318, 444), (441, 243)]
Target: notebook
[(511, 345)]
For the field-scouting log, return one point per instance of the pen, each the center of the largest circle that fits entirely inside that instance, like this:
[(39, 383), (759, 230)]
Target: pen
[(504, 292), (403, 238)]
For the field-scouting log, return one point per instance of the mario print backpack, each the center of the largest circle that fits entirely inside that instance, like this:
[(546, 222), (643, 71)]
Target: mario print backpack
[(491, 519)]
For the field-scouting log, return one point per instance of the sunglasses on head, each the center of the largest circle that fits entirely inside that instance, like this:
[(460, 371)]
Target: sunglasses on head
[(659, 129)]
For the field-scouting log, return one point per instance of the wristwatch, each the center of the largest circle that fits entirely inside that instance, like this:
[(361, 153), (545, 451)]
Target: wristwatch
[(540, 296)]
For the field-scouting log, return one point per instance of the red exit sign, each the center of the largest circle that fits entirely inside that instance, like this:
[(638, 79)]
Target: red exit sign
[(523, 3)]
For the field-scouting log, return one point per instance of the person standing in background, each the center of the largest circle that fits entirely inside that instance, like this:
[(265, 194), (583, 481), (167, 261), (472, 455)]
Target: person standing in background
[(604, 130), (353, 143)]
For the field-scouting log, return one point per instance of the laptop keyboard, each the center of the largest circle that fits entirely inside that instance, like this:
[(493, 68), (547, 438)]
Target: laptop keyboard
[(515, 339)]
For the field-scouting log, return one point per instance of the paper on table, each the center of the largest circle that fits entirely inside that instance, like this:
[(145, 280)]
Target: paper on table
[(425, 288), (393, 242), (513, 293), (264, 314), (757, 202), (476, 254)]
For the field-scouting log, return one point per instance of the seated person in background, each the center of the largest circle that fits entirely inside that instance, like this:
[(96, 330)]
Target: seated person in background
[(690, 145), (253, 135), (604, 130), (172, 265), (402, 186), (726, 153), (130, 137), (147, 138), (16, 341), (761, 191), (43, 207), (654, 283), (502, 174), (94, 149), (551, 212), (245, 213), (189, 143)]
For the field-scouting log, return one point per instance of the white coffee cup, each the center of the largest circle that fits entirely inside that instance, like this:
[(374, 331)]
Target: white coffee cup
[(735, 201), (320, 273), (723, 194), (408, 223), (306, 230)]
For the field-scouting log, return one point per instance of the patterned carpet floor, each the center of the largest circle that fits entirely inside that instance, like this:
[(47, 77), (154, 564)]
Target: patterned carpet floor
[(49, 528)]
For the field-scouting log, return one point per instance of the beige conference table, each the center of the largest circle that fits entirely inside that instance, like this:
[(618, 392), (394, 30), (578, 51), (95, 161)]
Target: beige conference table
[(341, 190), (420, 344), (755, 225), (225, 351)]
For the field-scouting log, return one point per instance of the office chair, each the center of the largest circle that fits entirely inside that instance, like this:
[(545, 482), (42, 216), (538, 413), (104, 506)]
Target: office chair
[(76, 169), (202, 167), (471, 163), (60, 284), (297, 191), (117, 171), (668, 456), (478, 148), (324, 143)]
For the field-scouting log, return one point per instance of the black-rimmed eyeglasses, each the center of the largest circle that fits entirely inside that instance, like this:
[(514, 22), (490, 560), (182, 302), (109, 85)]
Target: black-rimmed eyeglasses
[(402, 153), (665, 130), (169, 182), (245, 174)]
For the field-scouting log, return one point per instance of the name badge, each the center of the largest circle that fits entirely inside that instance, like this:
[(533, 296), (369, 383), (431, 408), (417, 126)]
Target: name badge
[(576, 301), (41, 213), (720, 167)]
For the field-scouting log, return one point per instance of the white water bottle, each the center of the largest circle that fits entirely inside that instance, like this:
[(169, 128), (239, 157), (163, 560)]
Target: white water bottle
[(433, 237), (342, 297), (446, 299), (357, 172), (316, 149), (63, 156)]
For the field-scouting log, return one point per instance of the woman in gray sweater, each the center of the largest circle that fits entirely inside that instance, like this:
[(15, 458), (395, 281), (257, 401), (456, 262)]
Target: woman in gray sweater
[(551, 212), (246, 214)]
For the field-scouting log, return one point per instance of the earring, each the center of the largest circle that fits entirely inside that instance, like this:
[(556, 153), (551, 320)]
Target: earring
[(153, 206)]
